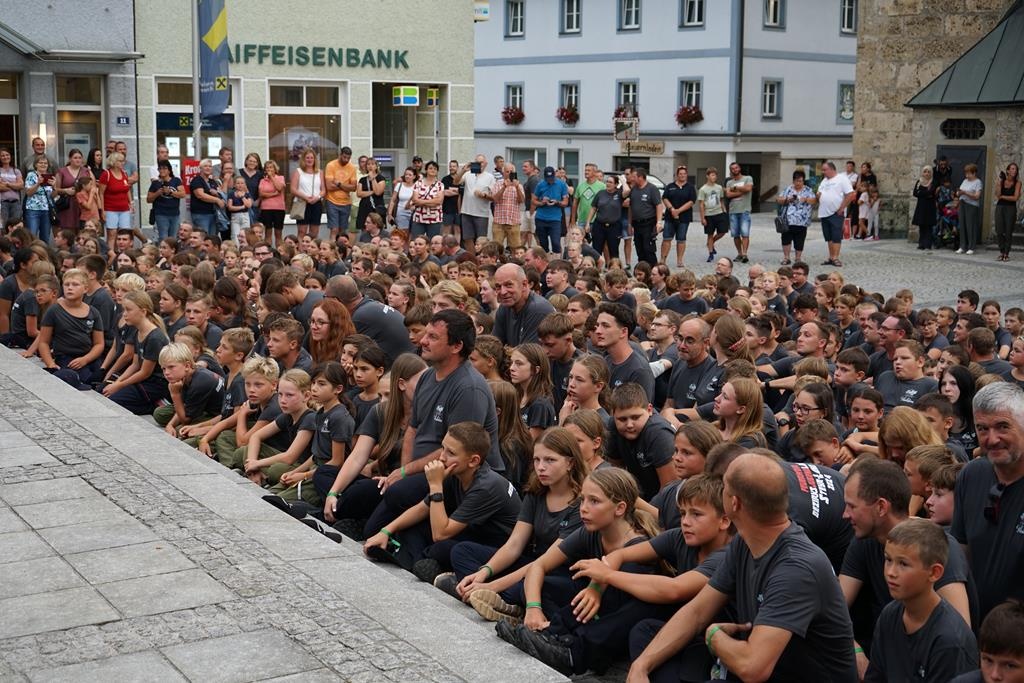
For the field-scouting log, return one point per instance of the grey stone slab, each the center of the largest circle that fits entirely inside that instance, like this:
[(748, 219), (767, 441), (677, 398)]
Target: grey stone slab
[(73, 403), (14, 439), (10, 521), (78, 538), (18, 546), (54, 611), (6, 428), (67, 512), (47, 491), (290, 539), (20, 456), (244, 657), (163, 456), (318, 676), (165, 592), (130, 561), (231, 498), (42, 575), (147, 666)]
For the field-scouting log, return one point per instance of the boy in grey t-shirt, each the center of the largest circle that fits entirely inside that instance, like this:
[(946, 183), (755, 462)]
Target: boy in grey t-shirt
[(711, 202)]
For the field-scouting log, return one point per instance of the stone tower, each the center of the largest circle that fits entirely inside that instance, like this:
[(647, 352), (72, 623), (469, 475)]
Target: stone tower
[(902, 45)]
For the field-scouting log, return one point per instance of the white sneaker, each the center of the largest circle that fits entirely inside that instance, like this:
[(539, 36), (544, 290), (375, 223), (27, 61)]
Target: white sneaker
[(959, 251), (969, 252)]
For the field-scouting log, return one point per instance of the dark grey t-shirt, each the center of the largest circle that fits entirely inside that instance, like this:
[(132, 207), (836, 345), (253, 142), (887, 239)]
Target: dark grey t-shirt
[(72, 336), (898, 392), (335, 425), (816, 503), (489, 507), (302, 311), (997, 366), (608, 205), (643, 202), (24, 306), (204, 394), (462, 396), (515, 328), (645, 454), (548, 526), (104, 303), (792, 587), (942, 648), (282, 441), (560, 379), (384, 325), (635, 368), (697, 304), (684, 381), (234, 396), (671, 547)]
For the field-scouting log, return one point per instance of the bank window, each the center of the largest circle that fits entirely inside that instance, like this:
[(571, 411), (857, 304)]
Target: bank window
[(390, 123), (692, 13), (9, 113), (517, 155), (690, 93), (571, 16), (79, 113), (514, 95), (771, 99), (570, 95), (629, 15), (848, 16), (515, 18), (628, 94), (569, 159), (774, 14), (174, 124), (301, 117)]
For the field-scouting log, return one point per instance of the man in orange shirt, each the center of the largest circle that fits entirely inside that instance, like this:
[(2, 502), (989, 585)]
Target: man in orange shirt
[(340, 179)]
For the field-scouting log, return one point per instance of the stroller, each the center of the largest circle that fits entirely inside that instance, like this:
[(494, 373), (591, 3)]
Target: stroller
[(947, 228)]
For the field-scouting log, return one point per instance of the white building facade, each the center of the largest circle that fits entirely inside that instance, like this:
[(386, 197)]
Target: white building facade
[(773, 80)]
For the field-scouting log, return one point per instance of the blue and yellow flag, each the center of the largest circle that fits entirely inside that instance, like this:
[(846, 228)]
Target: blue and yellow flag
[(213, 58)]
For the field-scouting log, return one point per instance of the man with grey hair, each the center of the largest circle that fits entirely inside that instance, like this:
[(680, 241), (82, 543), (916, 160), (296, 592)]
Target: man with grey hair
[(834, 194), (988, 508), (383, 324), (520, 310)]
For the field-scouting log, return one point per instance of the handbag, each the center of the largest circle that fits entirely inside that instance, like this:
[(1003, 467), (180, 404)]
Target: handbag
[(298, 210), (53, 210), (62, 203), (781, 226)]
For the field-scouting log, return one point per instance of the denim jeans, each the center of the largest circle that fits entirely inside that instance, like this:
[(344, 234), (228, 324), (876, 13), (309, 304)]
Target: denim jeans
[(338, 215), (206, 222), (37, 222), (549, 230), (167, 226)]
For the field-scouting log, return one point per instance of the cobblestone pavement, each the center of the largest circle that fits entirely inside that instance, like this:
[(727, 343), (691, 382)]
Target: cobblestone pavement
[(125, 556), (884, 266)]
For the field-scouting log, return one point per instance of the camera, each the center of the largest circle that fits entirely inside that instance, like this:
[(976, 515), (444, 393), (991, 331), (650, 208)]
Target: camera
[(513, 176), (475, 167)]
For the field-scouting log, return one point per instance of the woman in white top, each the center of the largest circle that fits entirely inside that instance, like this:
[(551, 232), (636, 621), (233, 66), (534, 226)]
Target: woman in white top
[(969, 195), (399, 211), (308, 185)]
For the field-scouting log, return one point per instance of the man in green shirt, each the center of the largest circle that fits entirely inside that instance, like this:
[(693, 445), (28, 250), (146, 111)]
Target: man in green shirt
[(711, 200), (584, 196), (738, 189)]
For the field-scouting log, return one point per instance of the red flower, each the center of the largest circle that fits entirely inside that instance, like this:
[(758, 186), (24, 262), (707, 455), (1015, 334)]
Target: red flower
[(569, 115), (512, 116), (687, 115)]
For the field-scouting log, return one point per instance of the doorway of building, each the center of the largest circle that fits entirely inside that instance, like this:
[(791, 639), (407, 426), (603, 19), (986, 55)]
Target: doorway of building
[(960, 156)]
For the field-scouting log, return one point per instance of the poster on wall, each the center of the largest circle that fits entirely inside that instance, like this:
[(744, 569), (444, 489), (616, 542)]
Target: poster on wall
[(173, 147), (82, 141), (297, 139)]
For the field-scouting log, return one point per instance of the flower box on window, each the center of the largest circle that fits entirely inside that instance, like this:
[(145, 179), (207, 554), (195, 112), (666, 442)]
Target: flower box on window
[(512, 116), (687, 116), (568, 115)]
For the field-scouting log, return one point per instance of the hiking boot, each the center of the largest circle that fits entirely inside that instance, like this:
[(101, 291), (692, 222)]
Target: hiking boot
[(515, 636), (551, 649), (427, 570), (353, 528), (492, 607), (446, 583)]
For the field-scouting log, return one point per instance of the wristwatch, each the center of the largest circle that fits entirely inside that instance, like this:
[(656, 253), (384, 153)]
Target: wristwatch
[(436, 497)]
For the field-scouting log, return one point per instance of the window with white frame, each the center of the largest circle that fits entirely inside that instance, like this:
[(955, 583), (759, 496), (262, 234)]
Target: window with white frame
[(771, 99), (571, 16), (571, 95), (173, 119), (692, 13), (627, 95), (514, 95), (689, 93), (629, 15), (515, 18), (774, 14), (848, 16), (569, 159)]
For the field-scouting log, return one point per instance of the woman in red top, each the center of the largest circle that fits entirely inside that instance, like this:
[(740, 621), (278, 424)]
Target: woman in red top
[(66, 178), (115, 197), (427, 197), (272, 201)]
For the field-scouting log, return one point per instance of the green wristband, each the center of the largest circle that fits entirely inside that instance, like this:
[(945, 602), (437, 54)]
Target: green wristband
[(711, 635), (387, 533), (490, 572), (596, 587), (332, 494), (858, 650), (403, 471), (533, 604)]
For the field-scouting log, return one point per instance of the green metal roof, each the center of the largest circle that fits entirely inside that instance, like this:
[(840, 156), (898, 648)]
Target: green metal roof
[(989, 74)]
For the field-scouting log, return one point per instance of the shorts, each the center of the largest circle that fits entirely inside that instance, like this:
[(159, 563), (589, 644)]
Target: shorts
[(119, 220), (313, 214), (338, 215), (717, 224), (474, 226), (739, 224), (506, 233), (427, 229), (832, 228), (527, 224), (675, 230), (450, 219)]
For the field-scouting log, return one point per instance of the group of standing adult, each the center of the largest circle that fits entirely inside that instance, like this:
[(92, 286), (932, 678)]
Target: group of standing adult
[(936, 198)]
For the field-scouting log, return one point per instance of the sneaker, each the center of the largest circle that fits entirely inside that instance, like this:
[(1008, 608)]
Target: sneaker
[(555, 651), (969, 252), (959, 251), (711, 257), (427, 570), (492, 607), (446, 583), (353, 528), (743, 258), (514, 635)]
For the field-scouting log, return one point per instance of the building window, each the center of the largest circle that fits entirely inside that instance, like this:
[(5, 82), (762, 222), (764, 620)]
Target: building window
[(627, 95), (390, 123), (771, 99), (569, 159), (962, 129), (690, 93), (79, 113), (692, 13), (515, 18), (514, 95), (847, 16), (9, 108), (774, 14), (629, 15), (517, 155), (570, 96), (301, 116), (174, 123), (571, 16)]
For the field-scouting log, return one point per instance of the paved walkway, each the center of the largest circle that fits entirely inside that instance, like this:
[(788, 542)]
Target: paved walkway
[(884, 266), (126, 556)]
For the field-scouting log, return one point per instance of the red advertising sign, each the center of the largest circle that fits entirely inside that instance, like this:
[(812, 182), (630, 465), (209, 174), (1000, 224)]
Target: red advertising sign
[(189, 170)]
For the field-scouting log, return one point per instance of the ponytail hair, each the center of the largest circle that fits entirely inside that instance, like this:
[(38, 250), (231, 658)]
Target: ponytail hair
[(145, 302), (560, 441), (620, 486)]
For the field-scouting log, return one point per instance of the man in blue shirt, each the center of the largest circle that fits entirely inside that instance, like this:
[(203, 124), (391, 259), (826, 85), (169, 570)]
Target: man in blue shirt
[(550, 198)]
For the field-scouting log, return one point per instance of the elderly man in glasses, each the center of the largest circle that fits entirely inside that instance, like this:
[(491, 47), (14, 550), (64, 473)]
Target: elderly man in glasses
[(988, 508)]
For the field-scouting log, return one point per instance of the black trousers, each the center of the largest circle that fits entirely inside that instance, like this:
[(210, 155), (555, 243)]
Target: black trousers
[(643, 237)]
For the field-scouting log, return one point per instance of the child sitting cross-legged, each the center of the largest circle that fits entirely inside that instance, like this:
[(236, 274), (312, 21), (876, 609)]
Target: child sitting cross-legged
[(227, 440), (294, 426), (196, 393)]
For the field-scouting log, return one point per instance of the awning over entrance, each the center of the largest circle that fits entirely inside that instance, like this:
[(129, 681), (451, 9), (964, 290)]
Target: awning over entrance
[(20, 43)]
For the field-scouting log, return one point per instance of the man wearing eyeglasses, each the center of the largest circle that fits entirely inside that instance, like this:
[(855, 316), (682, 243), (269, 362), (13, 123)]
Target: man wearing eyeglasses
[(892, 331), (695, 362), (662, 352), (988, 503), (262, 251)]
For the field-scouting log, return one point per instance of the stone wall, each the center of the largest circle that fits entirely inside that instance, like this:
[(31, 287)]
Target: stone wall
[(902, 45)]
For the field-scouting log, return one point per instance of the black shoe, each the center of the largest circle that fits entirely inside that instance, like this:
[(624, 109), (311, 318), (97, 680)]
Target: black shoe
[(551, 649), (829, 262), (353, 528), (283, 505), (325, 530), (378, 554), (427, 570), (514, 635), (446, 583)]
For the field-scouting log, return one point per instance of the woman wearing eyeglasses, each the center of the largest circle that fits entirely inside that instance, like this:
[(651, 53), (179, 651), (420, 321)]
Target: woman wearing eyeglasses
[(813, 402), (329, 324)]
